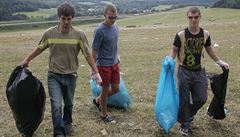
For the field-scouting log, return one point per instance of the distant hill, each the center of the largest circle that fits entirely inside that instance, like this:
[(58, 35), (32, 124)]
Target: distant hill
[(190, 2), (228, 4), (8, 7)]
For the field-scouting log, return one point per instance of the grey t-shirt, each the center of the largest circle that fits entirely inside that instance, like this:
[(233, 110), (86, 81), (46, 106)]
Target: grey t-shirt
[(105, 42)]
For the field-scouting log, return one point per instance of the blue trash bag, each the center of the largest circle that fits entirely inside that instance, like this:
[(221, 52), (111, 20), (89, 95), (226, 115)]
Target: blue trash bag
[(167, 99), (120, 100)]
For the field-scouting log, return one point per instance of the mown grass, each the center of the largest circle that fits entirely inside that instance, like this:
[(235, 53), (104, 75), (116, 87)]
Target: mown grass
[(43, 24), (162, 7), (141, 50), (45, 13)]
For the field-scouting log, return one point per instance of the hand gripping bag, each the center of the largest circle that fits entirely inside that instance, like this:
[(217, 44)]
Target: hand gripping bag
[(218, 85), (167, 99), (26, 98), (120, 100)]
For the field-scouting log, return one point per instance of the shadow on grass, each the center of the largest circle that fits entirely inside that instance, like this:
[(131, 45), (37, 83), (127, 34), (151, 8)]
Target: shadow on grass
[(160, 133), (219, 127), (114, 108)]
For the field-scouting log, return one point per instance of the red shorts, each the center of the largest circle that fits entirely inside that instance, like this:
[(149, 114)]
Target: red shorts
[(109, 74)]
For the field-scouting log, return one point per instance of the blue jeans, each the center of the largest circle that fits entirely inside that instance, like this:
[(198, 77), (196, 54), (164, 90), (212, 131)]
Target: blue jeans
[(61, 86)]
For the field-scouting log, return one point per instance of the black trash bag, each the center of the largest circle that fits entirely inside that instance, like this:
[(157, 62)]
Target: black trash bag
[(218, 86), (26, 98)]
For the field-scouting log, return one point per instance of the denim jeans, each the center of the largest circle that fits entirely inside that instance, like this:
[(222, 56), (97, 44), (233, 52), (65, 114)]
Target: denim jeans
[(61, 86)]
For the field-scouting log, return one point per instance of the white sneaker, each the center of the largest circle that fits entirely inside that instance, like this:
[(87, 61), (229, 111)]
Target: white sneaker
[(183, 131)]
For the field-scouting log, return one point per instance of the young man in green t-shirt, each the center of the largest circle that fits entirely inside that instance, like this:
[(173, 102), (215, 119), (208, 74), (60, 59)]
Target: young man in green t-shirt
[(64, 43)]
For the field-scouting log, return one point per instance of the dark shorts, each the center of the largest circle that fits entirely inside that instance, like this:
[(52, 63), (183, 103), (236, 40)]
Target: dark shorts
[(109, 74)]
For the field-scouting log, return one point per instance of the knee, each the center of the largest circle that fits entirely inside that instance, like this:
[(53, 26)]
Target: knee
[(68, 106), (202, 101), (56, 110), (105, 90), (68, 102), (56, 106), (115, 89)]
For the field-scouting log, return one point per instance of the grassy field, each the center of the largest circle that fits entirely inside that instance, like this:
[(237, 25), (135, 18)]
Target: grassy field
[(41, 12), (162, 7), (43, 24), (141, 49)]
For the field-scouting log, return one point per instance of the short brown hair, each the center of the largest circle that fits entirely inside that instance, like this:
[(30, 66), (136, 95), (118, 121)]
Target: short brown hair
[(194, 10), (65, 9), (111, 8)]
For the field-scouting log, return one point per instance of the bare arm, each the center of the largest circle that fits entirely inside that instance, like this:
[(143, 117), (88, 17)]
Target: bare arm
[(91, 61), (211, 53), (94, 71), (174, 52), (215, 58), (31, 56), (94, 54)]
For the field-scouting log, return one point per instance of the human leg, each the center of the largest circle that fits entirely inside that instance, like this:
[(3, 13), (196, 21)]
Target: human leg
[(106, 75), (198, 92), (55, 93), (184, 98), (68, 96), (115, 79)]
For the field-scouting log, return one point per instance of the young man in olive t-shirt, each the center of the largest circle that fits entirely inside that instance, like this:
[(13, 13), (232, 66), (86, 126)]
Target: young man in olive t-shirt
[(64, 43)]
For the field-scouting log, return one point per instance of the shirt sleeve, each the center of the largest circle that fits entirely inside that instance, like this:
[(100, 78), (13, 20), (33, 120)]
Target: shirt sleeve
[(85, 46), (97, 40), (208, 42), (177, 41), (43, 43), (117, 28)]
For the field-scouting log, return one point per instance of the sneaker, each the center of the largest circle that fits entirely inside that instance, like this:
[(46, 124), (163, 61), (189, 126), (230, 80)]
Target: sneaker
[(183, 131), (96, 104), (190, 130), (108, 119), (69, 130)]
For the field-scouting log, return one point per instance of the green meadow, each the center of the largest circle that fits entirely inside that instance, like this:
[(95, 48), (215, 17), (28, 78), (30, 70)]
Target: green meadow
[(141, 50), (41, 12), (162, 7)]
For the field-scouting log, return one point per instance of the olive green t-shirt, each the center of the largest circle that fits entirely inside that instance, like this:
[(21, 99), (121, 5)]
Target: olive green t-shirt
[(64, 49)]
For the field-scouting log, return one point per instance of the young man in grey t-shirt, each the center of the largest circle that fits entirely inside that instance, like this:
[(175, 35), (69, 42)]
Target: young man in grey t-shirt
[(105, 53)]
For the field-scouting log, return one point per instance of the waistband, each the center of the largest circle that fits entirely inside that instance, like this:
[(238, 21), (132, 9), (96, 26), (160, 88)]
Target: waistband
[(196, 70), (74, 73)]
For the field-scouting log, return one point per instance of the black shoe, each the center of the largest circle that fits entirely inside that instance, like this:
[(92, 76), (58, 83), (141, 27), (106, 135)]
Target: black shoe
[(96, 104), (190, 130), (108, 119)]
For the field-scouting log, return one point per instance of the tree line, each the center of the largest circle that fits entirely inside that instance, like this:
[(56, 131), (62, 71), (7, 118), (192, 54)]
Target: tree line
[(9, 7), (228, 4)]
